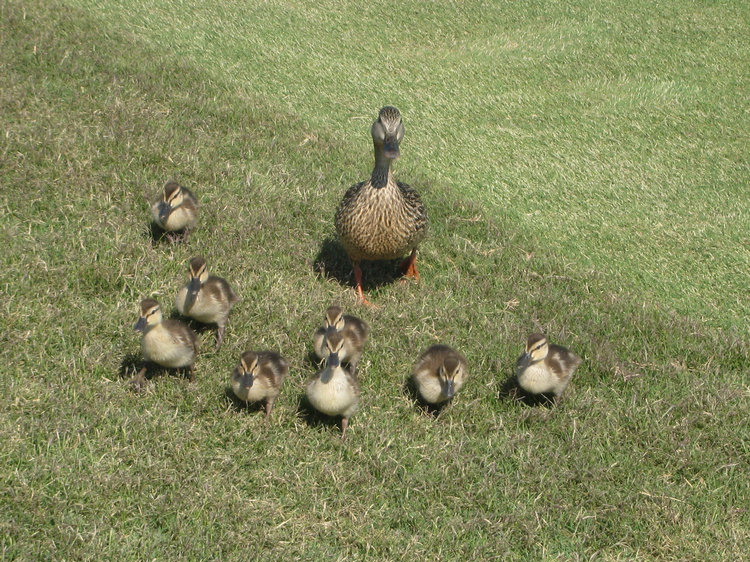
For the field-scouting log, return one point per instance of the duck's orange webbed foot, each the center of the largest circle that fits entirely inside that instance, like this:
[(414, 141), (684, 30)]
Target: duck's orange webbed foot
[(409, 266)]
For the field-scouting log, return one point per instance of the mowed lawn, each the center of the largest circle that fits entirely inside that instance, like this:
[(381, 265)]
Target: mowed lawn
[(585, 167)]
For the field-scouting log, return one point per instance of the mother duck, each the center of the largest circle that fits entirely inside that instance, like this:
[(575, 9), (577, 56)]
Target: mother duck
[(381, 218)]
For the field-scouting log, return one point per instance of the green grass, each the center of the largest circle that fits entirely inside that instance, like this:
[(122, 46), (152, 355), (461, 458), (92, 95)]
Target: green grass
[(635, 123)]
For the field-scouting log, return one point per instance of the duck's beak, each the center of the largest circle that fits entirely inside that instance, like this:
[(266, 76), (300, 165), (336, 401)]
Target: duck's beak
[(192, 292), (247, 380), (333, 360), (391, 147), (164, 210), (140, 325), (450, 389)]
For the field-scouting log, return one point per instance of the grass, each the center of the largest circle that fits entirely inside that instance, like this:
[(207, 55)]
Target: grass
[(645, 458)]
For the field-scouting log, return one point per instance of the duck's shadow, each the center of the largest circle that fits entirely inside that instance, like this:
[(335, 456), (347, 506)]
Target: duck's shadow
[(240, 405), (333, 263), (158, 235), (132, 363)]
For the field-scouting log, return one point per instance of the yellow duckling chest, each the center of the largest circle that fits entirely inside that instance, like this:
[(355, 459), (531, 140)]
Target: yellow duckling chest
[(159, 346)]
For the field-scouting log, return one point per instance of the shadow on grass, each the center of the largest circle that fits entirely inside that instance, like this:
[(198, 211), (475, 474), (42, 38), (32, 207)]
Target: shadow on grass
[(159, 236), (242, 406), (333, 263), (132, 363)]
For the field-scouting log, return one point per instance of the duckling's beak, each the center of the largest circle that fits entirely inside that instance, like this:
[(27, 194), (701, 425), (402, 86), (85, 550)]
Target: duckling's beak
[(192, 292), (247, 380), (525, 359), (333, 360), (450, 389), (391, 147), (140, 325), (164, 210), (330, 329)]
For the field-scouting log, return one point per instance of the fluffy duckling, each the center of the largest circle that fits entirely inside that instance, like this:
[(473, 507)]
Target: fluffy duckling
[(334, 391), (176, 211), (381, 218), (206, 298), (545, 368), (354, 330), (168, 343), (439, 373), (259, 376)]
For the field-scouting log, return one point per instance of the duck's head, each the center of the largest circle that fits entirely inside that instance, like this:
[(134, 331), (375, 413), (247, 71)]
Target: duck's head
[(387, 131), (150, 315), (171, 198), (536, 348), (334, 345), (448, 373), (197, 274), (334, 321), (245, 373)]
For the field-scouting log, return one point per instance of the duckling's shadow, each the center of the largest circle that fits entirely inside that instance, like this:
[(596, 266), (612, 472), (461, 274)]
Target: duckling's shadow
[(510, 390), (429, 410), (333, 263), (130, 365), (158, 235), (240, 405)]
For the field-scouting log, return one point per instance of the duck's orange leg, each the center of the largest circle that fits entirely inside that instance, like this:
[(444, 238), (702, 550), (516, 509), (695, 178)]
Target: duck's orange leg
[(358, 284), (409, 266)]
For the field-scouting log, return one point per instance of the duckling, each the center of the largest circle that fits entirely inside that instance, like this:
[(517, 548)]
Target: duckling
[(334, 391), (176, 211), (354, 330), (205, 298), (381, 219), (168, 343), (259, 376), (545, 368), (440, 372)]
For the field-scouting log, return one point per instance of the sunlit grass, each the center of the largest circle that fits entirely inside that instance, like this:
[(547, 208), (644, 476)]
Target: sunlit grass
[(646, 456)]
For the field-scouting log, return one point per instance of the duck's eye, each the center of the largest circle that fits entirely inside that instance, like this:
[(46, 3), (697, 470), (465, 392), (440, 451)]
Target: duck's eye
[(378, 131)]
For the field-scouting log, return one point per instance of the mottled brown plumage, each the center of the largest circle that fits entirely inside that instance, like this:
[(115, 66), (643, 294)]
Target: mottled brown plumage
[(354, 331), (206, 298), (381, 219), (259, 376), (545, 368)]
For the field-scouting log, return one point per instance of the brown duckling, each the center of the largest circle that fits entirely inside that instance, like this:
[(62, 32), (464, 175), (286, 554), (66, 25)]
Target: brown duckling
[(439, 374), (206, 298), (168, 343), (381, 218), (354, 330), (259, 376), (334, 391), (176, 211), (545, 368)]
